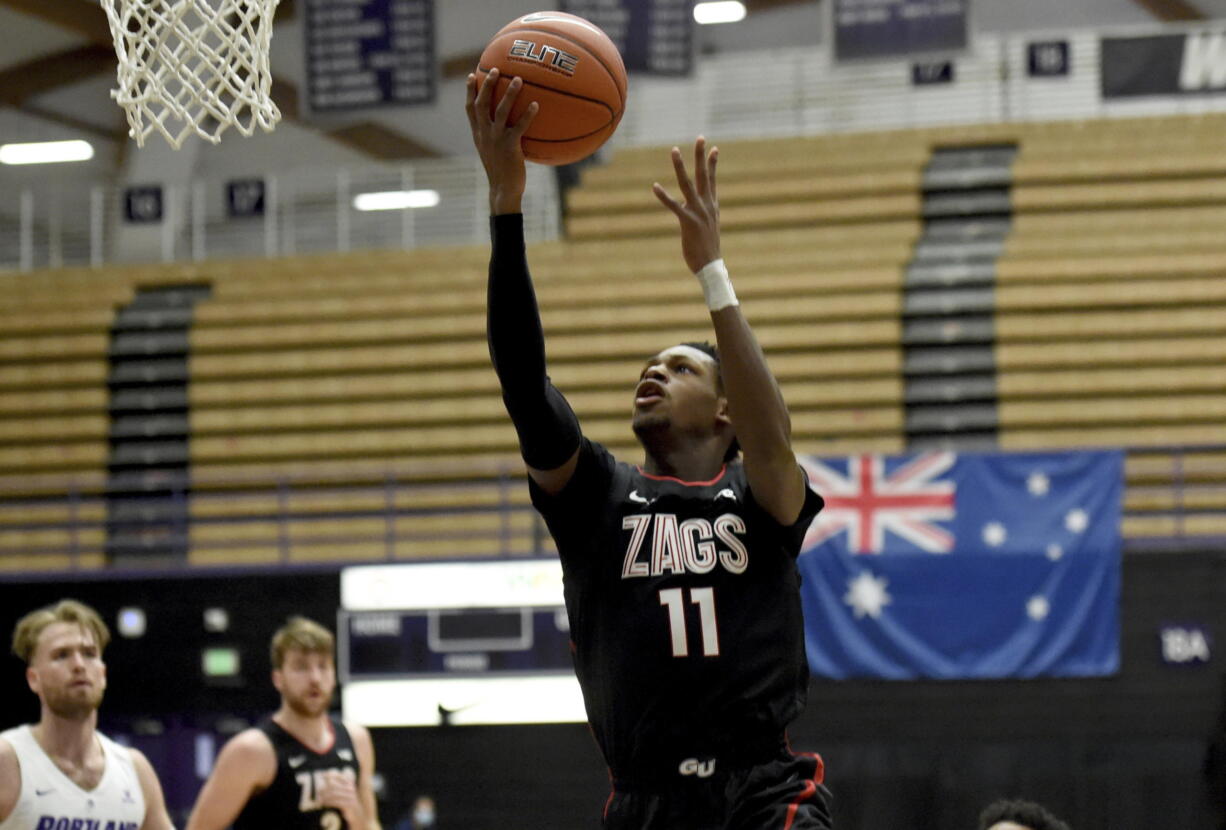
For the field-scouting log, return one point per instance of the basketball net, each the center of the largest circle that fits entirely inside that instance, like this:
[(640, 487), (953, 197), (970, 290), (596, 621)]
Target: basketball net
[(193, 66)]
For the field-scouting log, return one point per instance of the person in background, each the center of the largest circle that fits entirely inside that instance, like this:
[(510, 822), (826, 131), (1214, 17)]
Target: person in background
[(1214, 768), (422, 815), (300, 768), (1017, 814), (61, 771)]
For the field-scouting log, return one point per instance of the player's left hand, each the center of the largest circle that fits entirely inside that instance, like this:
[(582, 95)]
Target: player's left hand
[(699, 215), (497, 141), (339, 792)]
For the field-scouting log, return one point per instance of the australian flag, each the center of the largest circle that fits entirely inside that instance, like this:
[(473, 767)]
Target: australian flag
[(964, 565)]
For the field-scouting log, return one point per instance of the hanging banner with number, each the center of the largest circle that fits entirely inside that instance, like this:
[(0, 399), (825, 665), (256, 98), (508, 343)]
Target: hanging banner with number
[(244, 198), (1047, 59), (1181, 64), (142, 204), (653, 36), (369, 53), (896, 28)]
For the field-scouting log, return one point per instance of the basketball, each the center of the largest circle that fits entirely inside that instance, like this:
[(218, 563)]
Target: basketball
[(572, 70)]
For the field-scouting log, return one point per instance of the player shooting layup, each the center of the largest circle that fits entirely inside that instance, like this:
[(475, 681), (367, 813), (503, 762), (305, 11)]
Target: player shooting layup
[(680, 577), (61, 771)]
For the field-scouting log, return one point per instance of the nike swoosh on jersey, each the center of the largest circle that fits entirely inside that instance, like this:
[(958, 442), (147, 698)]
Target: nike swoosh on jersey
[(634, 496), (297, 761)]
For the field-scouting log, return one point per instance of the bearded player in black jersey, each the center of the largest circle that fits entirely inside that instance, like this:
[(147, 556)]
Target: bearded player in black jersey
[(680, 577), (300, 768)]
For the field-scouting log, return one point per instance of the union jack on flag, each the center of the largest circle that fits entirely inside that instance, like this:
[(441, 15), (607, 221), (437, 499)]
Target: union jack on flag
[(906, 497)]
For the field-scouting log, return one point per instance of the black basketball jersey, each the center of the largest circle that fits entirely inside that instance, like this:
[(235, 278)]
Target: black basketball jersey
[(684, 608), (291, 802)]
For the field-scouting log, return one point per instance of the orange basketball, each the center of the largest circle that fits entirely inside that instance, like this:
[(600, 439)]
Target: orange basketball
[(574, 73)]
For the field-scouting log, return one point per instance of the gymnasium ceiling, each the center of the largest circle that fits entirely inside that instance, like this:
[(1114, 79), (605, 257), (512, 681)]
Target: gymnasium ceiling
[(57, 66)]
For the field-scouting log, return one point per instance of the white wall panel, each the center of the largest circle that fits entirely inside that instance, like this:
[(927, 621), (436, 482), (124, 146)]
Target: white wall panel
[(779, 91)]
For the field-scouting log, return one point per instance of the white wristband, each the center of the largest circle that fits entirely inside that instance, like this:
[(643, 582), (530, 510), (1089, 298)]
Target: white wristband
[(716, 286)]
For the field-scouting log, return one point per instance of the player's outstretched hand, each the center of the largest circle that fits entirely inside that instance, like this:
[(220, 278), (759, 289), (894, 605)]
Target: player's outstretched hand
[(699, 211), (497, 142)]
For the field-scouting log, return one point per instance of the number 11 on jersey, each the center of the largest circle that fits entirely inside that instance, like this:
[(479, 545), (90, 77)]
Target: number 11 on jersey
[(704, 598)]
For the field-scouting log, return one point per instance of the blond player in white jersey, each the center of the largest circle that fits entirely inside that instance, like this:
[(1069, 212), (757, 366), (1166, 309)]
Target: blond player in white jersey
[(62, 773)]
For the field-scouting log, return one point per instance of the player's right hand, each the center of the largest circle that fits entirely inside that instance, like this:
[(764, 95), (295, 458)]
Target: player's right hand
[(497, 142), (339, 792), (698, 213)]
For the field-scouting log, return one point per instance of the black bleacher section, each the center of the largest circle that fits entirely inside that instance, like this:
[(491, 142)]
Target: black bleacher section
[(147, 471), (948, 333)]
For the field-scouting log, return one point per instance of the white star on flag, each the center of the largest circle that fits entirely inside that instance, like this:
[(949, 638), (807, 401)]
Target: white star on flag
[(1076, 520), (866, 595), (1038, 484), (1037, 608), (1054, 552), (994, 534)]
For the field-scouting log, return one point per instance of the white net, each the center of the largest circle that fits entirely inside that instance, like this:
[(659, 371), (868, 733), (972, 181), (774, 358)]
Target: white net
[(193, 66)]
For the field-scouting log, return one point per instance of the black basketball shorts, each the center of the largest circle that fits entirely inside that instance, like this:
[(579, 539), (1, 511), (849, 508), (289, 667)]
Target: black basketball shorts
[(785, 793)]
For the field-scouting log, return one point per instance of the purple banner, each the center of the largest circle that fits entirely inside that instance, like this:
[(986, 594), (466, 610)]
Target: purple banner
[(654, 36), (897, 28)]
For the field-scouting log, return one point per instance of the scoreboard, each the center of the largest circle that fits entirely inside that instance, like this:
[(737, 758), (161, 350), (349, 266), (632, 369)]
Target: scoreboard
[(655, 36), (369, 53), (446, 641), (456, 643), (884, 29)]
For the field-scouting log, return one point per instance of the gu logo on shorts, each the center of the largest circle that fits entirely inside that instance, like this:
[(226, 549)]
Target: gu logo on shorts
[(550, 57), (692, 766), (66, 823)]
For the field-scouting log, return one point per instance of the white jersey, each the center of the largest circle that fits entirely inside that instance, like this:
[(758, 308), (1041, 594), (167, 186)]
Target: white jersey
[(50, 800)]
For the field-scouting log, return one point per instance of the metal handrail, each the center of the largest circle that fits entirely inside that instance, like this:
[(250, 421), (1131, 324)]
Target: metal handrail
[(293, 525)]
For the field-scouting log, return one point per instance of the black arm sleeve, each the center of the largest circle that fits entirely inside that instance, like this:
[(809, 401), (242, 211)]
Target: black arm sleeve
[(547, 426)]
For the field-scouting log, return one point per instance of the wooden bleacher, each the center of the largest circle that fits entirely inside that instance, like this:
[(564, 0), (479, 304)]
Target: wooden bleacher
[(1111, 308), (317, 380)]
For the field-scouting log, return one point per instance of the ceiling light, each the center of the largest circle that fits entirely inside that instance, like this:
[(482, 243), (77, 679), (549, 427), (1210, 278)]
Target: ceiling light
[(45, 152), (722, 11), (396, 200)]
